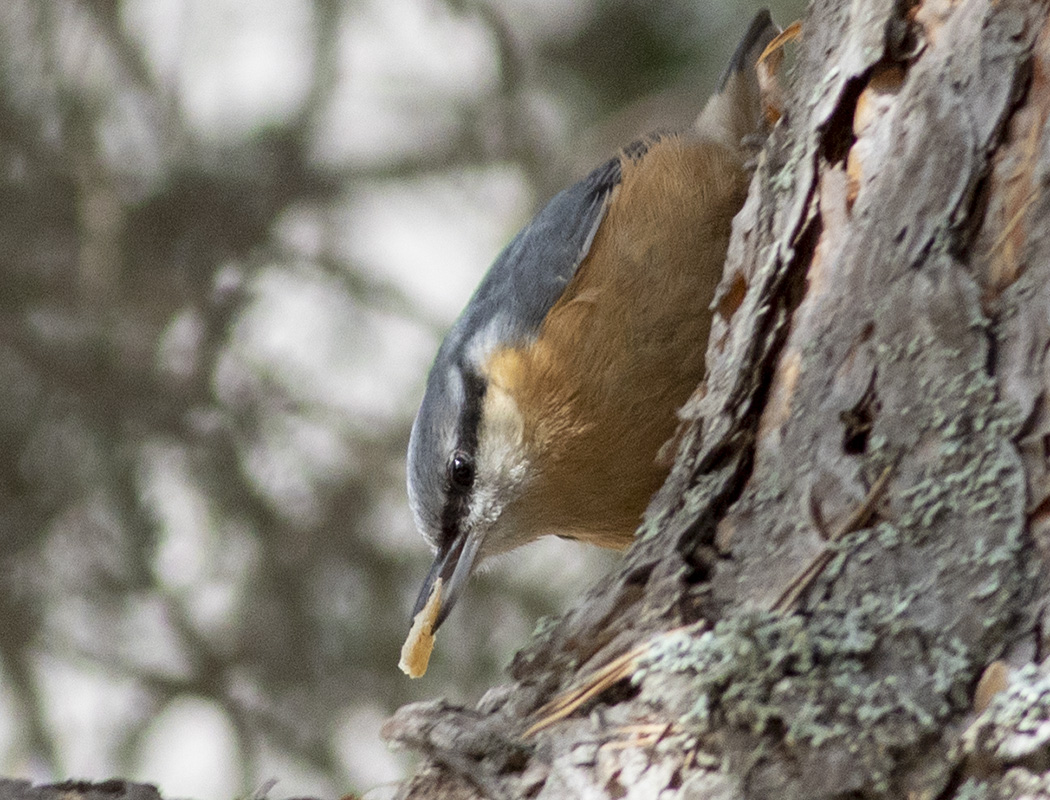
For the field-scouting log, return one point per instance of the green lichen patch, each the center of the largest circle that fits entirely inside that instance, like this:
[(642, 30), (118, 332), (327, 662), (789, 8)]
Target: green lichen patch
[(1016, 783), (805, 684)]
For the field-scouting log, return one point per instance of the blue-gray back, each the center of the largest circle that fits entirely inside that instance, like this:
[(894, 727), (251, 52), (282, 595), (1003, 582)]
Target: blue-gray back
[(506, 310)]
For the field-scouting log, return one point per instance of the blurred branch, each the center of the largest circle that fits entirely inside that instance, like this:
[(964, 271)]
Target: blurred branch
[(18, 624), (327, 16)]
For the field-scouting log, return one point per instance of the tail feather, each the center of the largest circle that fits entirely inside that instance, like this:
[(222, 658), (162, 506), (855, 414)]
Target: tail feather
[(735, 111)]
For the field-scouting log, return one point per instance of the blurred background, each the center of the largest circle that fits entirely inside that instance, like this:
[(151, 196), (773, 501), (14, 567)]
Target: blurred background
[(232, 233)]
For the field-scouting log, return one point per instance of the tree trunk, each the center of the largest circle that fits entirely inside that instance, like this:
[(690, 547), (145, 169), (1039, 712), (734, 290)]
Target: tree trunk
[(858, 522)]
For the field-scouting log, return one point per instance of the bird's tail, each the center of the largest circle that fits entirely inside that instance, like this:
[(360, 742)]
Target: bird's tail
[(736, 110)]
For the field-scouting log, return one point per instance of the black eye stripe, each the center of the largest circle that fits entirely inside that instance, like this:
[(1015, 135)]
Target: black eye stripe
[(470, 416), (457, 499)]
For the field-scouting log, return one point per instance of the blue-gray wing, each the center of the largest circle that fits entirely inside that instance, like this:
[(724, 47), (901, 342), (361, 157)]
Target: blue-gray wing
[(531, 273)]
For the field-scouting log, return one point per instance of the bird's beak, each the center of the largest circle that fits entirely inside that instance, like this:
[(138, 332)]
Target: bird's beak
[(453, 564)]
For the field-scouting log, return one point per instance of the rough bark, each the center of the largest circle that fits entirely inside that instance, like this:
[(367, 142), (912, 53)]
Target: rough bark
[(885, 310), (77, 790)]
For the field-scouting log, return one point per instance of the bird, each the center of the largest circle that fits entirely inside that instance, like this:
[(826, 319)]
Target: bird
[(550, 398)]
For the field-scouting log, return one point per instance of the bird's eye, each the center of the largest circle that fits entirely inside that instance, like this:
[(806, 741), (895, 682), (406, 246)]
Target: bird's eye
[(461, 470)]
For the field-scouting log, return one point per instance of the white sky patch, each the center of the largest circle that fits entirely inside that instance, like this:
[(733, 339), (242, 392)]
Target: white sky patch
[(562, 565), (137, 635), (203, 561), (191, 750), (554, 561), (291, 460), (338, 371), (179, 347), (88, 709), (185, 544), (392, 528), (419, 46), (161, 28), (437, 236), (301, 229), (237, 64), (362, 753), (406, 66), (8, 731), (543, 20), (13, 755), (323, 348)]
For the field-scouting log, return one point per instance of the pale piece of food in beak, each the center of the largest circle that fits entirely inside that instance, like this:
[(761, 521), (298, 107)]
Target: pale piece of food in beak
[(415, 652)]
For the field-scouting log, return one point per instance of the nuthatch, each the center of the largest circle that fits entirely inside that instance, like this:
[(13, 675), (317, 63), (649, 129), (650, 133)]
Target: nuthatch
[(557, 386)]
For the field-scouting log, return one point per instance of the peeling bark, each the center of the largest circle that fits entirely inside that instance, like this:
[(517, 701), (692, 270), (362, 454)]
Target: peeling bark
[(885, 306)]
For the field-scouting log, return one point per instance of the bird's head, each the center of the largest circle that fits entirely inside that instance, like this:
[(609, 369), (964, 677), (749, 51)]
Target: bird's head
[(468, 464)]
